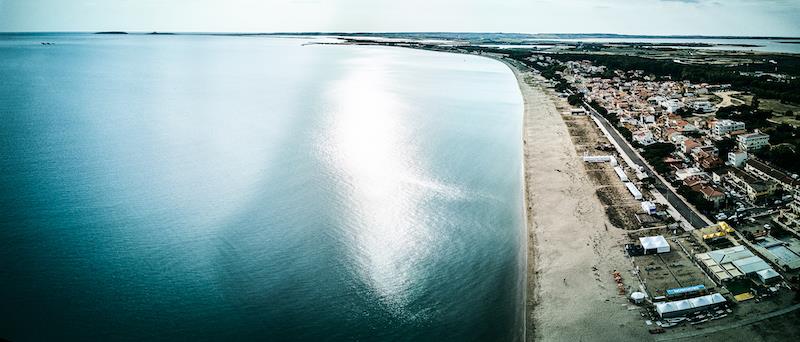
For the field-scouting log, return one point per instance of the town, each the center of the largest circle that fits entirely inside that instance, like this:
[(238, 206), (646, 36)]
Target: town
[(714, 222)]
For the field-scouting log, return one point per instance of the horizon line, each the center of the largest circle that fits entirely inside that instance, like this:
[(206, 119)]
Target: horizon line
[(585, 34)]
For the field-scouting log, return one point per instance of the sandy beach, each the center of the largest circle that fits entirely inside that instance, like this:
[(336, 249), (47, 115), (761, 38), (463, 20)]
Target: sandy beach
[(572, 247)]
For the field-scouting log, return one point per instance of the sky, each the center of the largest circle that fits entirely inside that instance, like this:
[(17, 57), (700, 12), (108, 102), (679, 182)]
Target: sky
[(652, 17)]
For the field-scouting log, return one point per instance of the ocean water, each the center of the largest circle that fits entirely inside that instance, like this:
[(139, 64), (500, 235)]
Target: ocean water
[(250, 188)]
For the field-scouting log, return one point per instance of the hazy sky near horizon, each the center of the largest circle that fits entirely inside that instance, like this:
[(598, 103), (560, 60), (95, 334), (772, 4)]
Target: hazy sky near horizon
[(706, 17)]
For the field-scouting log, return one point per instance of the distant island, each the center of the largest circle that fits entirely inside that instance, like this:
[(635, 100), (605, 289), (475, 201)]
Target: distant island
[(111, 32), (504, 35)]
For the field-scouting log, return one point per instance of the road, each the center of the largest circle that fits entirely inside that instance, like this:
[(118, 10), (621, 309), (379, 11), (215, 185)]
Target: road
[(740, 323), (692, 217), (727, 99)]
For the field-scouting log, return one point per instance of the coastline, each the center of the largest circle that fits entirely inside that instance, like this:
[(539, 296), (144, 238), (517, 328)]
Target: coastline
[(571, 246)]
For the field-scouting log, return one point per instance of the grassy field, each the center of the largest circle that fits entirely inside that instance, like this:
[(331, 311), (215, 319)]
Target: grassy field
[(747, 98), (779, 111), (777, 107)]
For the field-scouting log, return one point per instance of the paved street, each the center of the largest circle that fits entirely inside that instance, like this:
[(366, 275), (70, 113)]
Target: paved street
[(690, 215)]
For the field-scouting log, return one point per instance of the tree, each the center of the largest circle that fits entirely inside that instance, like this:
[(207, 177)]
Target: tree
[(781, 134), (684, 112), (725, 146), (783, 155), (574, 99), (655, 154)]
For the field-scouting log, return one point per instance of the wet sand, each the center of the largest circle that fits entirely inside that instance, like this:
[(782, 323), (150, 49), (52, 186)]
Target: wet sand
[(572, 247)]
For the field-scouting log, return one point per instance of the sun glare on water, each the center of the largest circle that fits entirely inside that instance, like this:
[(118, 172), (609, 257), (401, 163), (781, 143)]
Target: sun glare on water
[(374, 153)]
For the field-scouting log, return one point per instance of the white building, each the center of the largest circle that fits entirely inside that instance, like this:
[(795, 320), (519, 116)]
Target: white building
[(634, 191), (649, 207), (654, 244), (703, 106), (688, 172), (753, 141), (671, 105), (725, 126), (686, 306), (644, 137), (737, 158)]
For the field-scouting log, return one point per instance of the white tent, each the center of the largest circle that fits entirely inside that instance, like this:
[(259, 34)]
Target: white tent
[(682, 307), (634, 191), (638, 297), (717, 298), (657, 244), (621, 173), (665, 308), (649, 207), (700, 301)]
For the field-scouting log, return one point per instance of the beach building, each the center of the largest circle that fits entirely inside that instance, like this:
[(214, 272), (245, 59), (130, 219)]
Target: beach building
[(686, 291), (634, 191), (784, 254), (735, 262), (719, 230), (686, 306), (621, 173), (654, 244), (577, 111), (649, 207), (752, 141), (600, 159)]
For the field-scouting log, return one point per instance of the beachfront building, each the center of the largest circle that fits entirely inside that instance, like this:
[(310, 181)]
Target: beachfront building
[(736, 262), (752, 141), (686, 306), (654, 244), (649, 207), (724, 127), (785, 254)]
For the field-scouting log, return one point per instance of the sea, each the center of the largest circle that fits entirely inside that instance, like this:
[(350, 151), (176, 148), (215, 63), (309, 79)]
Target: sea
[(240, 188)]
